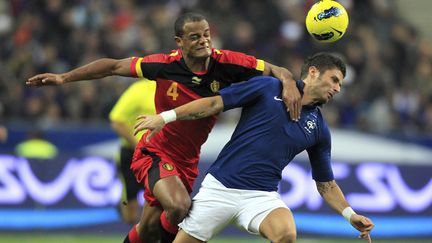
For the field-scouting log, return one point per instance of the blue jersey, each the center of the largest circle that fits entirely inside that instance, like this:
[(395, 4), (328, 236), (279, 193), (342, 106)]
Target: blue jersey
[(266, 140)]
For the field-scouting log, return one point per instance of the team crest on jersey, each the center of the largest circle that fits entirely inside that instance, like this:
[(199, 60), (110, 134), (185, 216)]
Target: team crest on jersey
[(310, 125), (196, 80), (215, 86), (168, 167)]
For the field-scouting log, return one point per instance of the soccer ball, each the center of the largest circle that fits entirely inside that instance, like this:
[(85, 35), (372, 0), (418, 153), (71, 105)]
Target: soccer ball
[(327, 21)]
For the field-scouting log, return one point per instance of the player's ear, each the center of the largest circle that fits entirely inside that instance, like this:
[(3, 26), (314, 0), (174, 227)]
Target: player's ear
[(313, 72), (178, 41)]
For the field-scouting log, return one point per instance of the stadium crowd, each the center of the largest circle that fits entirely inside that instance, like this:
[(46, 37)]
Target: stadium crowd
[(388, 86)]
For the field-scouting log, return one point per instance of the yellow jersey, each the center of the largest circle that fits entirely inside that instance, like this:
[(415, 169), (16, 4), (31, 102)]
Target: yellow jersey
[(138, 99)]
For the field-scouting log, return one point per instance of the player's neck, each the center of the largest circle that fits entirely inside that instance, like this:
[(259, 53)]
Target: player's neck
[(197, 65), (308, 98)]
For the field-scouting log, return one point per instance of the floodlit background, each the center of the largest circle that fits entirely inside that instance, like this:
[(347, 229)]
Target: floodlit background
[(381, 121)]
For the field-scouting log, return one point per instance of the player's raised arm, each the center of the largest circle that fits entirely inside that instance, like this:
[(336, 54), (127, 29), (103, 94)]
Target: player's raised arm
[(95, 70), (334, 197), (290, 93), (193, 110)]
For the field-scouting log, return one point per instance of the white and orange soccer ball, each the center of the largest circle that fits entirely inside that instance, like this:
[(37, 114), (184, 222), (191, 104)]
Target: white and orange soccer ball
[(327, 21)]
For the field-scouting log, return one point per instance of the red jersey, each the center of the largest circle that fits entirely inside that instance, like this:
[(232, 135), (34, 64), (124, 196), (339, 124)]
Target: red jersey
[(177, 85)]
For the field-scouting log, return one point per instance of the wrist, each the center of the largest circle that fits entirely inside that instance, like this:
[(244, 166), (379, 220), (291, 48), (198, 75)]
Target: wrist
[(347, 213), (168, 116), (64, 78), (289, 81)]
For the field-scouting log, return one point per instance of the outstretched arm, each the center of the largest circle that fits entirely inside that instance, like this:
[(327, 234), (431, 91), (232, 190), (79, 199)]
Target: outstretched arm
[(193, 110), (334, 197), (98, 69), (290, 93)]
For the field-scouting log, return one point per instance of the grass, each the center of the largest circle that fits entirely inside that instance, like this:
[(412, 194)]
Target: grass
[(92, 238)]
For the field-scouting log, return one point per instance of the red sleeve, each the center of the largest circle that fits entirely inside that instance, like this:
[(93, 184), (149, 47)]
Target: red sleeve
[(150, 66), (238, 58), (133, 66)]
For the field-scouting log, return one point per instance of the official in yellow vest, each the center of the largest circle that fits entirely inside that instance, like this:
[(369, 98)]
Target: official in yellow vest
[(36, 147), (137, 100)]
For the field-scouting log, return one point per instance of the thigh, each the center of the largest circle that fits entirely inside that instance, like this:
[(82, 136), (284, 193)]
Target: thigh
[(161, 177), (279, 221), (212, 209), (170, 191), (183, 237), (256, 206)]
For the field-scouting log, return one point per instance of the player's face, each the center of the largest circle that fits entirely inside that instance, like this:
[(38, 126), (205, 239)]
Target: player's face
[(326, 85), (196, 40)]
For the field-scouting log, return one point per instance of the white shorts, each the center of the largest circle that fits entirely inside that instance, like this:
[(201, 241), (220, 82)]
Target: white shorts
[(215, 206)]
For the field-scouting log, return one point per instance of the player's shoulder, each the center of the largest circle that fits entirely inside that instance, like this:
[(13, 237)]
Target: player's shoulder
[(174, 55), (226, 53), (260, 84), (267, 81), (233, 57)]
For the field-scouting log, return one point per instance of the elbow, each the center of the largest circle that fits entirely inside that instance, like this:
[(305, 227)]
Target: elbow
[(216, 106), (116, 126)]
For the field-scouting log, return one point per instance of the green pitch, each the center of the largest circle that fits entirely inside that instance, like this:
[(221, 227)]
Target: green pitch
[(83, 238)]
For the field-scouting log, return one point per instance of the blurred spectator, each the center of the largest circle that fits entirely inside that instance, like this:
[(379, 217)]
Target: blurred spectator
[(3, 134), (36, 147), (391, 63)]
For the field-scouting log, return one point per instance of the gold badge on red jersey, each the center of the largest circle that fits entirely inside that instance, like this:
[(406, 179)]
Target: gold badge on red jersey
[(215, 86), (168, 167)]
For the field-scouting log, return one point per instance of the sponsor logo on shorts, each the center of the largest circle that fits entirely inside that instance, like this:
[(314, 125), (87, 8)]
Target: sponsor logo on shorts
[(168, 167)]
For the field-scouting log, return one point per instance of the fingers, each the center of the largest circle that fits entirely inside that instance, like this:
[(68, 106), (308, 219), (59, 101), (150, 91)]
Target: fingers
[(141, 117), (367, 224), (35, 78), (139, 126), (364, 225), (40, 79), (33, 81), (366, 235), (151, 134), (294, 110), (293, 104)]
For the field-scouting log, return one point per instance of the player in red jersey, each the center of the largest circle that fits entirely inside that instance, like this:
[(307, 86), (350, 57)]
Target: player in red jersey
[(168, 165)]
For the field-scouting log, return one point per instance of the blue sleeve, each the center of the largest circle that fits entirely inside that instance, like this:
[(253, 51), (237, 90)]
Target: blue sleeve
[(320, 156), (246, 93)]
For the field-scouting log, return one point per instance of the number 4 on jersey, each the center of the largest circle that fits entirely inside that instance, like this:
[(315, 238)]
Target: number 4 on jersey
[(172, 91)]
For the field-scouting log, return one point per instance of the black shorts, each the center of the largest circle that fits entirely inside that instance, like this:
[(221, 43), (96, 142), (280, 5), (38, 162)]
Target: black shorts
[(131, 185)]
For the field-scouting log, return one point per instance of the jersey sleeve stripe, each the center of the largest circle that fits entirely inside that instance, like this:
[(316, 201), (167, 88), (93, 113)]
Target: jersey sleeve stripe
[(138, 67), (132, 66), (260, 65)]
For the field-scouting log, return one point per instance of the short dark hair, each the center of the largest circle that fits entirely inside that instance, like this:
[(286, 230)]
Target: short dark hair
[(186, 18), (323, 62)]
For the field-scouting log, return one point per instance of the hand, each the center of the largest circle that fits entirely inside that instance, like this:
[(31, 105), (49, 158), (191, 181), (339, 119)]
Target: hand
[(292, 99), (362, 224), (154, 123), (45, 79)]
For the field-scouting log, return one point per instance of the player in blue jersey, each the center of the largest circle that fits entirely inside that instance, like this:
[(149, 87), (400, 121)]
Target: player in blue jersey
[(241, 185)]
